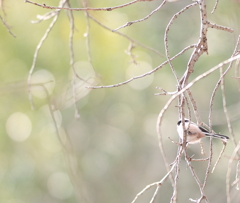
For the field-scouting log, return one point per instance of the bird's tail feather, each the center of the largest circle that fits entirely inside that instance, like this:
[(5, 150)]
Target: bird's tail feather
[(222, 137)]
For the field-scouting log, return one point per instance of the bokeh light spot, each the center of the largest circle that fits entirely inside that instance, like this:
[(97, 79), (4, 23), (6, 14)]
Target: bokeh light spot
[(18, 126), (136, 70), (85, 75), (59, 185), (45, 81), (115, 19)]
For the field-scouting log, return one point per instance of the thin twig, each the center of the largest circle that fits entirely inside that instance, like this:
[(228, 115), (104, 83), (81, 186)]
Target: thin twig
[(162, 112), (206, 159), (159, 183), (194, 105), (155, 194), (166, 37), (125, 36), (176, 178), (164, 92), (219, 157), (51, 110), (72, 61), (140, 20), (237, 176), (220, 81), (129, 52), (7, 26), (66, 144), (215, 6), (143, 75), (199, 49), (219, 27), (202, 148), (2, 6), (201, 46), (203, 196), (81, 9), (229, 172), (62, 2), (209, 165), (237, 66), (45, 16), (87, 33), (192, 83)]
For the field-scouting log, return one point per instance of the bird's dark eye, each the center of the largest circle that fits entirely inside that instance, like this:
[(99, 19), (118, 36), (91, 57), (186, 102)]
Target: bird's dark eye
[(179, 122), (186, 120)]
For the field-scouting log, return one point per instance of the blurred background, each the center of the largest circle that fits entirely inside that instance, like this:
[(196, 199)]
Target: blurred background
[(110, 153)]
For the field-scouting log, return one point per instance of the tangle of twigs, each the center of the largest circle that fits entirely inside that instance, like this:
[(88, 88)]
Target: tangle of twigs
[(184, 94)]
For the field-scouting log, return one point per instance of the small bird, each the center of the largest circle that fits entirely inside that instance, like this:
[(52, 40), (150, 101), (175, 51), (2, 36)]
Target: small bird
[(196, 133)]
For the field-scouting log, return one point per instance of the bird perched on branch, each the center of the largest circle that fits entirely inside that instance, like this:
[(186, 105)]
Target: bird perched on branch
[(195, 133)]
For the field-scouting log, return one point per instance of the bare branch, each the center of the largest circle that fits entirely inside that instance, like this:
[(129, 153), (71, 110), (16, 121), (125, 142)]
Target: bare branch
[(140, 20), (220, 155), (55, 17), (129, 52), (162, 112), (51, 110), (202, 148), (72, 61), (166, 36), (177, 172), (164, 92), (87, 33), (159, 183), (194, 105), (7, 26), (46, 16), (201, 45), (215, 6), (187, 103), (221, 81), (155, 194), (196, 80), (36, 53), (201, 187), (81, 9), (219, 27), (237, 176), (237, 66), (127, 37), (229, 170), (143, 75)]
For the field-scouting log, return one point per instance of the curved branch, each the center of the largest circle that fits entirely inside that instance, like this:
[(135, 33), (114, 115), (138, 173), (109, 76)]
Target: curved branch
[(81, 9), (143, 75)]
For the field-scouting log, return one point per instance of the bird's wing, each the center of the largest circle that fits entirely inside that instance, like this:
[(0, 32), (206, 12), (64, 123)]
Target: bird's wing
[(203, 129), (191, 133)]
